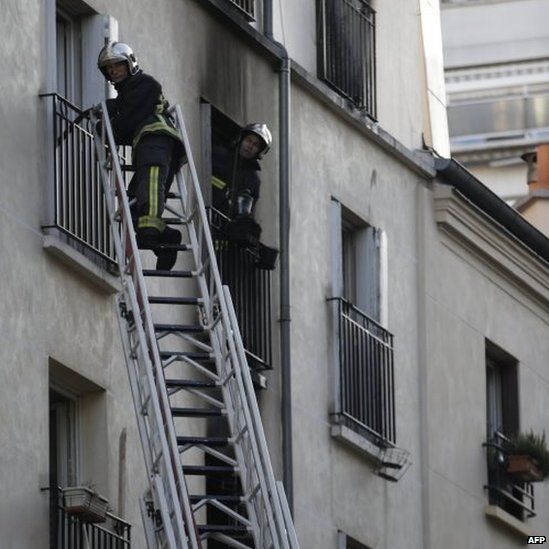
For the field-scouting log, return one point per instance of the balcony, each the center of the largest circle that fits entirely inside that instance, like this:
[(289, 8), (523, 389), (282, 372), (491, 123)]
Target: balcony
[(79, 208), (366, 399), (250, 288), (346, 50), (504, 491), (70, 532)]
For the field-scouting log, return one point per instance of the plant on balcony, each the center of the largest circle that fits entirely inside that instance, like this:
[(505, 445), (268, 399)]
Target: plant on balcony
[(528, 457)]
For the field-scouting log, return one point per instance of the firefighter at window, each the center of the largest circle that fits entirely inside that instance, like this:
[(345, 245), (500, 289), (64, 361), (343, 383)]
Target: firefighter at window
[(139, 118), (235, 179), (235, 191)]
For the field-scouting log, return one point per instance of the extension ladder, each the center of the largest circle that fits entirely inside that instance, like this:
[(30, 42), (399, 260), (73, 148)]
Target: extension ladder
[(208, 366)]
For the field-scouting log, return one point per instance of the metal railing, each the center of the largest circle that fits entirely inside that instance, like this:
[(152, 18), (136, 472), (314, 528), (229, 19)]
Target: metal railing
[(346, 50), (247, 6), (517, 498), (79, 205), (69, 532), (366, 375), (250, 289)]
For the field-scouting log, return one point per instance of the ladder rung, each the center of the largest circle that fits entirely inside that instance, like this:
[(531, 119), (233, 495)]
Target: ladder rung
[(206, 441), (222, 528), (175, 300), (197, 412), (173, 221), (209, 469), (179, 247), (168, 274), (173, 195), (223, 498), (194, 355), (195, 328), (190, 383)]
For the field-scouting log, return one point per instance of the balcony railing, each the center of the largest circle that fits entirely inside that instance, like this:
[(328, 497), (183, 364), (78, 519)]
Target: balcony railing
[(250, 290), (79, 206), (346, 38), (517, 498), (247, 6), (366, 376), (69, 532)]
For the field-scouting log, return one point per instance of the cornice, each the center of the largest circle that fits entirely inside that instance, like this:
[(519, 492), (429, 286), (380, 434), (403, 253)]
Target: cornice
[(474, 230)]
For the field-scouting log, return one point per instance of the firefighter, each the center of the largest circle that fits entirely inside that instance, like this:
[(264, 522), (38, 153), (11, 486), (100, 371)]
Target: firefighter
[(235, 177), (139, 118)]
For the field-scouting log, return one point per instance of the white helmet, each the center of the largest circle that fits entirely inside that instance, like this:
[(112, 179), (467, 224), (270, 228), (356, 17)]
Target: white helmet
[(116, 52), (262, 131)]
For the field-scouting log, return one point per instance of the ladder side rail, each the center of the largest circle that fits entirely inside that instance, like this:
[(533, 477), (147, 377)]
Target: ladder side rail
[(128, 286), (163, 421), (265, 471), (251, 409), (288, 521)]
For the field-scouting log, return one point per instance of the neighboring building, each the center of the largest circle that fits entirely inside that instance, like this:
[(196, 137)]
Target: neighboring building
[(497, 79), (418, 312)]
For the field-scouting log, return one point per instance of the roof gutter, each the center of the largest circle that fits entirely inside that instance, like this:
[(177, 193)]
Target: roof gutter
[(451, 172)]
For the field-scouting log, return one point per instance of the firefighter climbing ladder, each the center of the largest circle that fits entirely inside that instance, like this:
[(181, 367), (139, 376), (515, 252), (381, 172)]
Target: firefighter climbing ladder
[(216, 374)]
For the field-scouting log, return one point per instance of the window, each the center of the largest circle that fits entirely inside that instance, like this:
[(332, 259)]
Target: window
[(346, 50), (77, 212), (239, 261), (364, 399), (502, 422), (64, 464), (361, 249)]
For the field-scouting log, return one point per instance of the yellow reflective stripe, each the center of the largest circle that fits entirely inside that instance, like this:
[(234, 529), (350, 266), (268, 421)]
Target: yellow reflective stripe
[(218, 183), (160, 126), (153, 191), (148, 222)]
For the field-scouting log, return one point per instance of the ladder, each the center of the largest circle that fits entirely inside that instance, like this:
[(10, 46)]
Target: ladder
[(206, 376)]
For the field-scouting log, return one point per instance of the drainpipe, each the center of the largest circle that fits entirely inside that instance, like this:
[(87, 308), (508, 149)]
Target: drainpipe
[(284, 242)]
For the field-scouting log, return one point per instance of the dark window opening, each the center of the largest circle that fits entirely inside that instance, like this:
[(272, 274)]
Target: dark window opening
[(502, 422), (250, 286), (346, 50)]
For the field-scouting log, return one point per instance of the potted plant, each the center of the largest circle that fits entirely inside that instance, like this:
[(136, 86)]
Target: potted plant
[(86, 503), (528, 457)]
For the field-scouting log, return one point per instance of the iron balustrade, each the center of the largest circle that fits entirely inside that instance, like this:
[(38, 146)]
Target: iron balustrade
[(250, 289), (247, 6), (517, 498), (79, 205), (346, 50), (69, 532), (366, 375)]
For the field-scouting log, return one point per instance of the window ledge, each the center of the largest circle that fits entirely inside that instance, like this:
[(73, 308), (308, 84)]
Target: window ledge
[(67, 254), (507, 520), (357, 442)]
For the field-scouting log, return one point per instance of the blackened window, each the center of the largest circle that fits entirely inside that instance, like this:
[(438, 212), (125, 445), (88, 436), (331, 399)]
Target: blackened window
[(346, 50)]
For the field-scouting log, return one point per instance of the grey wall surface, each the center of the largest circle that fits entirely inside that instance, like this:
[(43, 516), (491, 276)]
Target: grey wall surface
[(441, 304)]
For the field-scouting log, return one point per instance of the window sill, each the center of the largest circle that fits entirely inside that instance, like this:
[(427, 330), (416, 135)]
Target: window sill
[(356, 441), (505, 519), (58, 246)]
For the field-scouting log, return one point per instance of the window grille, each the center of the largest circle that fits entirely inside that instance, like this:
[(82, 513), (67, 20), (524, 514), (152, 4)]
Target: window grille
[(247, 6), (346, 46)]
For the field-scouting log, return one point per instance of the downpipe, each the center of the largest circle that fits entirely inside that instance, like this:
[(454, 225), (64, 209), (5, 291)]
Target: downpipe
[(284, 242)]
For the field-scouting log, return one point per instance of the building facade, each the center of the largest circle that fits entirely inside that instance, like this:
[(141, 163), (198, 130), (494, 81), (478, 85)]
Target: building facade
[(407, 321), (495, 58)]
